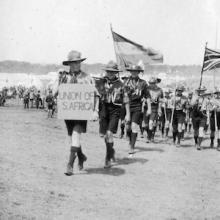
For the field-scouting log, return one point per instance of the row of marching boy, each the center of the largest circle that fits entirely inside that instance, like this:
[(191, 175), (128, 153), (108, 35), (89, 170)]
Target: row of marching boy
[(136, 102), (150, 106)]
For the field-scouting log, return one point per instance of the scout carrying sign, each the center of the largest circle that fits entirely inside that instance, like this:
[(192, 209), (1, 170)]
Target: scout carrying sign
[(76, 101)]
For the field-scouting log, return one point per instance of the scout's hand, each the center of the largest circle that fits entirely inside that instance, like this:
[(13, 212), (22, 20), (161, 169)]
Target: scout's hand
[(127, 118), (95, 116), (159, 113), (148, 112)]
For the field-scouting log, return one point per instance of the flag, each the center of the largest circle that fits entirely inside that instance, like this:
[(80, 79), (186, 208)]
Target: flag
[(129, 52), (211, 59)]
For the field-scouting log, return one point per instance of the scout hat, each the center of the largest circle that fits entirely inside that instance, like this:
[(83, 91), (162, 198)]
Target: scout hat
[(202, 88), (73, 56), (154, 80), (136, 68), (167, 90), (112, 67), (180, 88)]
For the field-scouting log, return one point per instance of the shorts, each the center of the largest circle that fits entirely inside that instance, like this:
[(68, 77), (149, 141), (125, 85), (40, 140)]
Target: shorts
[(199, 122), (122, 112), (109, 121), (50, 106), (136, 117), (178, 117), (169, 114), (212, 121), (153, 117), (71, 124)]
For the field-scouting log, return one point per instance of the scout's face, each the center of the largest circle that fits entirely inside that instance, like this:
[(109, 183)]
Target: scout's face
[(111, 75), (167, 95), (200, 92), (134, 74), (75, 66), (179, 92), (190, 96)]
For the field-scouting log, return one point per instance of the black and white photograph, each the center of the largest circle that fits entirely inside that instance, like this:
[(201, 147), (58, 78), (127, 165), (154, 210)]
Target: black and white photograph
[(110, 110)]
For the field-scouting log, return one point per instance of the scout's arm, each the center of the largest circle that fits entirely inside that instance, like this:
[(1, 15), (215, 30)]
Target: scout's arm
[(148, 99), (160, 103), (127, 107), (143, 104)]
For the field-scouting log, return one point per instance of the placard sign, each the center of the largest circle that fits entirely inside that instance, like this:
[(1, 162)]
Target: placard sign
[(75, 101)]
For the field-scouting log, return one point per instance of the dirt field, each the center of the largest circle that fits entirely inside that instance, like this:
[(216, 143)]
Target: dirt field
[(159, 182)]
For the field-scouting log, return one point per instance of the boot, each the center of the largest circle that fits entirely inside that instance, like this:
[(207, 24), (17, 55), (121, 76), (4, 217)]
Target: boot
[(133, 141), (153, 134), (111, 151), (179, 136), (122, 130), (218, 146), (142, 131), (162, 132), (199, 143), (190, 126), (72, 158), (128, 134), (182, 135), (174, 137), (108, 155), (167, 131), (196, 141), (212, 142), (81, 158), (148, 136)]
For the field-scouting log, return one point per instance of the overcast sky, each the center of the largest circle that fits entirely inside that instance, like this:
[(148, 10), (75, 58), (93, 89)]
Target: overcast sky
[(44, 31)]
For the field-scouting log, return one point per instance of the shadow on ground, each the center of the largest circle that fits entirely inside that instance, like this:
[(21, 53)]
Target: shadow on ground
[(113, 171), (149, 149), (130, 160)]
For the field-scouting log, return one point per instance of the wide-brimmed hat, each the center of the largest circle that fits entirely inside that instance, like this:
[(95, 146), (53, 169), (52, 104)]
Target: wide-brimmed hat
[(217, 91), (180, 88), (167, 90), (133, 68), (202, 88), (112, 67), (154, 80), (73, 56)]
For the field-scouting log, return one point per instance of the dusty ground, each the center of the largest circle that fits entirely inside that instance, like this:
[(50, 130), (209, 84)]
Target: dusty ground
[(159, 182)]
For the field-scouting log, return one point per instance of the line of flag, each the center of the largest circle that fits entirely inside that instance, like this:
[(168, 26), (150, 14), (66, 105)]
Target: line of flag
[(211, 59), (128, 52)]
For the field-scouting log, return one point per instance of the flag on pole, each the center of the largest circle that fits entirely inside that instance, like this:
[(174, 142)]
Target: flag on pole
[(211, 59), (129, 52)]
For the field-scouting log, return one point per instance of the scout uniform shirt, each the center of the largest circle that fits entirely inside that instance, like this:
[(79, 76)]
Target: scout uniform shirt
[(155, 95), (136, 89), (179, 102), (200, 105), (167, 103), (111, 91)]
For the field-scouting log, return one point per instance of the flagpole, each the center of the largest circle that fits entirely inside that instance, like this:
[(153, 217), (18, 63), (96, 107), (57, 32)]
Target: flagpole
[(114, 45), (216, 43), (200, 84)]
